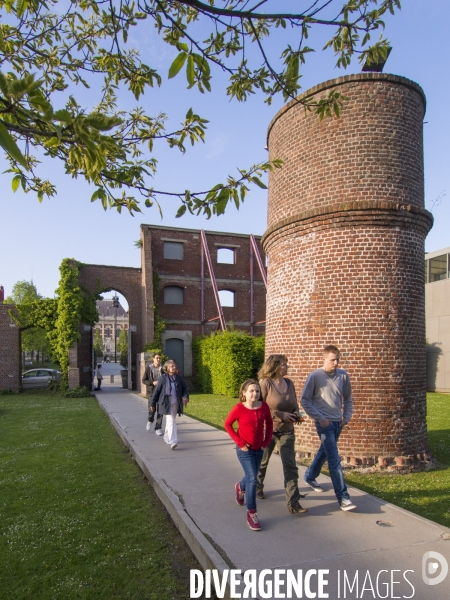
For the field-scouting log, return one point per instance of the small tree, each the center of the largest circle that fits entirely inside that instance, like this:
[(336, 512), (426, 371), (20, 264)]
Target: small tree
[(98, 343), (122, 347)]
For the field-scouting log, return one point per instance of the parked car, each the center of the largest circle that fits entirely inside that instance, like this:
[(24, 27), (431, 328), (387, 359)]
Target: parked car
[(39, 378)]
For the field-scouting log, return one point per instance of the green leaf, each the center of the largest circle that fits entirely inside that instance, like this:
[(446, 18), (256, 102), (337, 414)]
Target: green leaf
[(181, 211), (190, 71), (8, 144), (15, 183), (102, 122), (259, 183), (63, 115), (177, 64)]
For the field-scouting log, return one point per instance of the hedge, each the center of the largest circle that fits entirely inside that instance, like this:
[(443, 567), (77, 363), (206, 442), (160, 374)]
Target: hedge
[(225, 359)]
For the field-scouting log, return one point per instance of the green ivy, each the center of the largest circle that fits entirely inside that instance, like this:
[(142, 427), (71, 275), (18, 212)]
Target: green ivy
[(75, 306), (226, 359)]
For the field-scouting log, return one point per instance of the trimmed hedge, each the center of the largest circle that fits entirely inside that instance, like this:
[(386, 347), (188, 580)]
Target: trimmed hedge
[(225, 359)]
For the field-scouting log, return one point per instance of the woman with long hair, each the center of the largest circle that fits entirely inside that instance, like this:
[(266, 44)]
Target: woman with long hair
[(279, 393), (252, 436), (171, 396)]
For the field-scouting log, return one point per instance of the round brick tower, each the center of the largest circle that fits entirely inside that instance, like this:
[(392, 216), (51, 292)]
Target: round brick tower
[(345, 246)]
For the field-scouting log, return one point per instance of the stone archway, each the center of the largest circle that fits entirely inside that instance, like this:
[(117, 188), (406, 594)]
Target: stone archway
[(97, 279)]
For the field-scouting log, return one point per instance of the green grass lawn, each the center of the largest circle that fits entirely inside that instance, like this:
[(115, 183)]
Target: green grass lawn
[(77, 517), (426, 494)]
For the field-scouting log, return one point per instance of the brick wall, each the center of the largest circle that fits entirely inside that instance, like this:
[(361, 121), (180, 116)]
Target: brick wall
[(9, 351), (346, 259)]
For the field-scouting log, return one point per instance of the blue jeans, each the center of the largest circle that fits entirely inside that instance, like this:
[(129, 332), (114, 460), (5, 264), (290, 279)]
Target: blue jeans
[(250, 462), (328, 451)]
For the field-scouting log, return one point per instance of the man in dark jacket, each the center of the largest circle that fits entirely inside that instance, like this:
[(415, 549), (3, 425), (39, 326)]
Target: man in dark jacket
[(152, 374), (170, 396)]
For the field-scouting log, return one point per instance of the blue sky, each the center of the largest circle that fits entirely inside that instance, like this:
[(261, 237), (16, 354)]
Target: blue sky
[(36, 237)]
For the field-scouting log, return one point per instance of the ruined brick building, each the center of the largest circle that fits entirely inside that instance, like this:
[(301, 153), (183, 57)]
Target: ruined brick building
[(198, 280)]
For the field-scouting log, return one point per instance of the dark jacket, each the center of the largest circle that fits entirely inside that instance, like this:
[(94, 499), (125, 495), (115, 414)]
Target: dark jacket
[(151, 374), (159, 395)]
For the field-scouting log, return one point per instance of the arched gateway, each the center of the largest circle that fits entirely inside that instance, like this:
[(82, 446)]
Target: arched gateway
[(97, 279)]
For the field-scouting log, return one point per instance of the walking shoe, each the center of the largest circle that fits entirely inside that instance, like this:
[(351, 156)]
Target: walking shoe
[(252, 520), (240, 495), (347, 504), (314, 485), (173, 446), (149, 426), (260, 493), (297, 509), (159, 432)]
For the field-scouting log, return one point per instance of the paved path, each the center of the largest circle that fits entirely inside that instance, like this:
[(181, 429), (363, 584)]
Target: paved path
[(370, 549)]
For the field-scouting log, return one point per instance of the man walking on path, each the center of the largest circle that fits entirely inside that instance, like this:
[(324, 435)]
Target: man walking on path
[(150, 379), (327, 398)]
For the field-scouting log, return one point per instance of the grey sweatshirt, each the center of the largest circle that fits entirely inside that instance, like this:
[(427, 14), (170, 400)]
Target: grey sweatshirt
[(327, 396)]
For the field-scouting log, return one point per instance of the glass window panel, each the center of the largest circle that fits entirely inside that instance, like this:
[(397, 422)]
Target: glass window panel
[(173, 295), (225, 256), (438, 268), (226, 298), (173, 250), (426, 271)]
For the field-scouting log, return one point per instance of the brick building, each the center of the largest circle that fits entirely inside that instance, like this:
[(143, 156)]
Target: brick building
[(110, 318), (345, 243), (186, 298), (10, 374)]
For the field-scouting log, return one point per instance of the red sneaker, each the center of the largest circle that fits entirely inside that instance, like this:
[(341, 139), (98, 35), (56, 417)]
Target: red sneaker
[(252, 520), (240, 495)]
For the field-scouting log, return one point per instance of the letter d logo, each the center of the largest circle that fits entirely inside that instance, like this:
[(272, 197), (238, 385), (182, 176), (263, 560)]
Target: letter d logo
[(430, 568)]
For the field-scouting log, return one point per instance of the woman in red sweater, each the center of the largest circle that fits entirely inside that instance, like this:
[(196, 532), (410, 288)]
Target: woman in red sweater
[(254, 433)]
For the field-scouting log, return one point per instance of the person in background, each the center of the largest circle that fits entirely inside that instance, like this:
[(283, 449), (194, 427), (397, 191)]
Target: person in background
[(99, 376), (327, 398), (252, 436), (279, 393), (170, 396), (152, 373)]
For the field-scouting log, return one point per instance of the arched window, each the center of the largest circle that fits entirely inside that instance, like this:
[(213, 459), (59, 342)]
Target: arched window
[(173, 294), (225, 255), (226, 298)]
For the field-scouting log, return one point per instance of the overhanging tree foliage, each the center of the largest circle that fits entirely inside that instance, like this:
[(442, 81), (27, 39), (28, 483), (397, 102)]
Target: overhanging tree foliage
[(48, 48)]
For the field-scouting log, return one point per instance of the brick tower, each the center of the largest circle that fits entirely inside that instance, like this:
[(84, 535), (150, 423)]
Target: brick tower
[(345, 246)]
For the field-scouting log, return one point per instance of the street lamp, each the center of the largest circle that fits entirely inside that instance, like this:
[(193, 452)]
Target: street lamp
[(115, 304)]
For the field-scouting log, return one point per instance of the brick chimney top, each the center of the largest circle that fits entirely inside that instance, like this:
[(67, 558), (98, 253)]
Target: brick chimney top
[(2, 293)]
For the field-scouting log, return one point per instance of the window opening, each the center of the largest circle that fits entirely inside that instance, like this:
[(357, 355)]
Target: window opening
[(225, 256), (226, 298), (173, 295), (173, 250)]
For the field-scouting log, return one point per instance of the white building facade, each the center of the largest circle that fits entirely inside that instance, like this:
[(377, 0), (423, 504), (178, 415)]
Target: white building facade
[(437, 311)]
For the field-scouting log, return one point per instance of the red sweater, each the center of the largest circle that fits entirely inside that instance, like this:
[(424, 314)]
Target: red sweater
[(254, 426)]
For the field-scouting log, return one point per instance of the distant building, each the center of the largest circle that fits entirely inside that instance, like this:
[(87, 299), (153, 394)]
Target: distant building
[(105, 325), (437, 313)]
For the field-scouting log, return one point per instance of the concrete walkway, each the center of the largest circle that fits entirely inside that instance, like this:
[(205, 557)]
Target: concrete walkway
[(377, 550)]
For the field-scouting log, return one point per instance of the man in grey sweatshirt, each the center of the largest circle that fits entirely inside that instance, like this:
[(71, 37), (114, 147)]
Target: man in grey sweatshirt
[(327, 398)]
